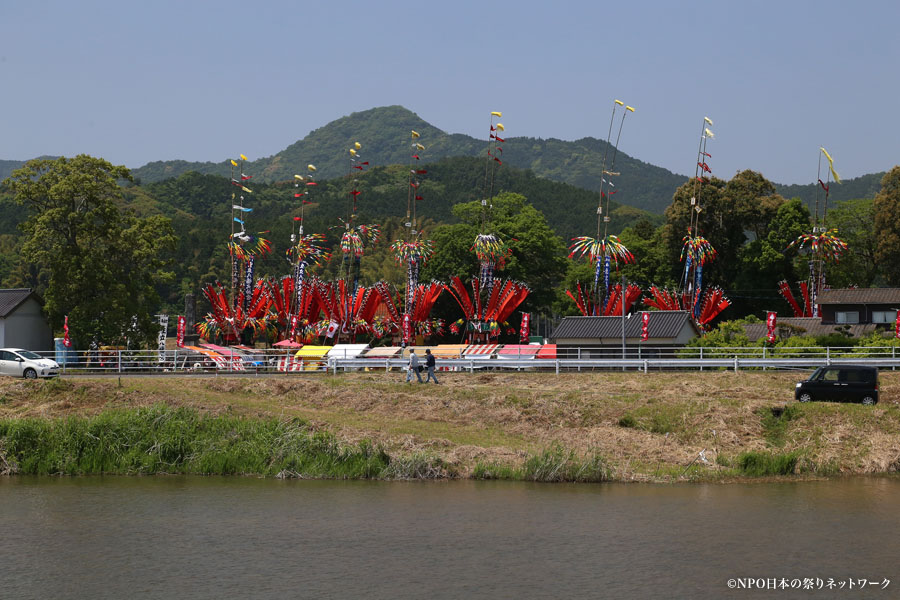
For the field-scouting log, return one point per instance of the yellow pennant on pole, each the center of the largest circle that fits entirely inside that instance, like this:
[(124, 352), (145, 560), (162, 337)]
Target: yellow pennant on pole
[(501, 127), (243, 157), (415, 134), (311, 167), (497, 114), (831, 165), (619, 102), (630, 108), (233, 163)]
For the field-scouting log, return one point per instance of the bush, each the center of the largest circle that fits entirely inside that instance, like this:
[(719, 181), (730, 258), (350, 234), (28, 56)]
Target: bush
[(760, 464)]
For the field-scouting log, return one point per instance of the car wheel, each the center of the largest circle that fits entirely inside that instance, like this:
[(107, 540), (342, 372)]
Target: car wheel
[(30, 374), (868, 400), (805, 397)]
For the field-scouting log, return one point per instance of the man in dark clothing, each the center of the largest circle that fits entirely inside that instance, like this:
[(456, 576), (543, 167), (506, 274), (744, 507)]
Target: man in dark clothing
[(429, 364)]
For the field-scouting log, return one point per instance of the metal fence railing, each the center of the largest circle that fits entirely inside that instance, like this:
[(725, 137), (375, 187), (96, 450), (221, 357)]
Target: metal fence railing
[(272, 362)]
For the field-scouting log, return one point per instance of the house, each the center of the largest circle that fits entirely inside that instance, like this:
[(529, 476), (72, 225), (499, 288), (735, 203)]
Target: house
[(601, 337), (22, 321), (859, 305)]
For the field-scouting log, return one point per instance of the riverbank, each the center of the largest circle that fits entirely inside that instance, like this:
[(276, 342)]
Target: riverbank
[(535, 426)]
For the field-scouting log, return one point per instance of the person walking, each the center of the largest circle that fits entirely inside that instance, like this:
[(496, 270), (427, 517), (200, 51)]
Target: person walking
[(413, 366), (429, 364)]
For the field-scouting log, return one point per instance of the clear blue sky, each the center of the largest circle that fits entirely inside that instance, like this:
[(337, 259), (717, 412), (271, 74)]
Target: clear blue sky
[(135, 82)]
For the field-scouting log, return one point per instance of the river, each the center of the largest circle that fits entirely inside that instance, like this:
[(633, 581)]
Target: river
[(193, 537)]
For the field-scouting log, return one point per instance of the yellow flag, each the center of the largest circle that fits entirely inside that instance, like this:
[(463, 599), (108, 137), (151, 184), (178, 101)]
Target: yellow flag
[(233, 163), (311, 167), (497, 114), (620, 103), (708, 133), (501, 127), (300, 177), (243, 157), (357, 145), (831, 165), (352, 152), (415, 134), (708, 120), (249, 191), (631, 108), (420, 147)]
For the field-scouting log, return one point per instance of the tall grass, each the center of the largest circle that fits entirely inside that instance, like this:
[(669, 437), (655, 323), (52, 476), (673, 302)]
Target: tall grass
[(761, 464), (552, 465), (181, 440)]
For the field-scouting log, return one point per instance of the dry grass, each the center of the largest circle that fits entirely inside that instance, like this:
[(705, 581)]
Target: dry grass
[(501, 418)]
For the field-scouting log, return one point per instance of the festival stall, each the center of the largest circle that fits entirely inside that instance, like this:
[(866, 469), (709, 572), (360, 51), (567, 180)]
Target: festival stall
[(234, 361), (518, 352), (307, 358)]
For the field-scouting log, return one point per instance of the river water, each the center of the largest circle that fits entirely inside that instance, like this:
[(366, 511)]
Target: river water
[(192, 537)]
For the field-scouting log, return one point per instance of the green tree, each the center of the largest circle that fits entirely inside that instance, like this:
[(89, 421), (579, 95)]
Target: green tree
[(855, 223), (538, 254), (765, 261), (887, 226), (102, 265)]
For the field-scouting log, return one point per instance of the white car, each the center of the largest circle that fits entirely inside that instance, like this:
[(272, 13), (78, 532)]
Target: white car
[(27, 364)]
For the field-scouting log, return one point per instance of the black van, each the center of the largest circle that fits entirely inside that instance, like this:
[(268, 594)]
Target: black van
[(840, 383)]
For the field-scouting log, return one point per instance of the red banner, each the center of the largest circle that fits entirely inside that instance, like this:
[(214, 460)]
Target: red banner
[(407, 329), (897, 327), (525, 329), (66, 341), (179, 339), (770, 327), (645, 326)]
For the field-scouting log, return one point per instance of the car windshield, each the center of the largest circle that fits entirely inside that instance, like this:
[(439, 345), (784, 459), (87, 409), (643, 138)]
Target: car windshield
[(816, 374), (29, 354)]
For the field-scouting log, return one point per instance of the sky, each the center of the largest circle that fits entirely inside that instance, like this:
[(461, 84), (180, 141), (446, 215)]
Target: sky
[(135, 82)]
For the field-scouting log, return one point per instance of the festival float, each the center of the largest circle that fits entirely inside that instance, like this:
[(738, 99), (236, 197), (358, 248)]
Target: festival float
[(413, 251), (492, 302), (821, 246), (295, 299), (704, 304), (243, 314), (348, 308), (604, 249)]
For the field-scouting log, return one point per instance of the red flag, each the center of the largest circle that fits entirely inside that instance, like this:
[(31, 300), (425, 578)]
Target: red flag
[(66, 341), (416, 156), (179, 339), (413, 185), (356, 192), (706, 154), (525, 329), (771, 319), (365, 163), (705, 167), (645, 326), (421, 172), (897, 327), (300, 194), (419, 198), (357, 167), (498, 160), (307, 202), (298, 218), (311, 183), (824, 187), (246, 177)]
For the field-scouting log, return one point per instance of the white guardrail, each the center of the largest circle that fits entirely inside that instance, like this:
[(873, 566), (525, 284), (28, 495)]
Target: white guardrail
[(186, 362)]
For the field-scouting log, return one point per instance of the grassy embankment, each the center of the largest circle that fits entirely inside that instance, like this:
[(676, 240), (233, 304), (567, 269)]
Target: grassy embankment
[(572, 427)]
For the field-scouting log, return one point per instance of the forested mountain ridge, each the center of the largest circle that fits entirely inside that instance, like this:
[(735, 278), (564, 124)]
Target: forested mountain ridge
[(384, 135)]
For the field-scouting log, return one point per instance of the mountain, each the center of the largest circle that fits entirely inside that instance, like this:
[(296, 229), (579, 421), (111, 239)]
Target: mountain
[(384, 134), (866, 186)]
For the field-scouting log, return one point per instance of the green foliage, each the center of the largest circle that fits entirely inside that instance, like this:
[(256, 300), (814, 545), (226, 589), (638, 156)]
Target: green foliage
[(728, 334), (855, 223), (761, 464), (181, 440), (775, 422), (887, 226), (101, 265)]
